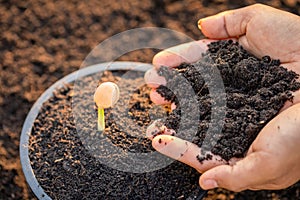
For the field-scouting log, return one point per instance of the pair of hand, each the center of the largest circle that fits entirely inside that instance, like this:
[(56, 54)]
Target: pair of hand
[(273, 159)]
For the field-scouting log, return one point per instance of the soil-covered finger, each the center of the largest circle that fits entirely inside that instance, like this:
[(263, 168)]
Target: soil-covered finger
[(158, 128), (157, 98), (185, 152), (154, 80)]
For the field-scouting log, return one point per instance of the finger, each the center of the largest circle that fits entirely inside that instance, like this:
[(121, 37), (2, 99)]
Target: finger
[(227, 24), (153, 80), (157, 128), (295, 100), (173, 106), (296, 95), (185, 152), (245, 43), (188, 53), (157, 98), (294, 66), (244, 174)]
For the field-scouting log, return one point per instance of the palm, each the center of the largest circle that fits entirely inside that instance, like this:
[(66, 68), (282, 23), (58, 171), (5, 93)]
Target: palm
[(261, 30), (261, 39)]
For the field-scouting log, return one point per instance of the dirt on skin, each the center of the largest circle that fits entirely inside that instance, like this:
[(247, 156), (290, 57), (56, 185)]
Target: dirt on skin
[(42, 41)]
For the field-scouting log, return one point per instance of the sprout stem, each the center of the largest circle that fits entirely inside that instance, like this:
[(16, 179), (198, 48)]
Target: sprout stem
[(101, 120), (105, 96)]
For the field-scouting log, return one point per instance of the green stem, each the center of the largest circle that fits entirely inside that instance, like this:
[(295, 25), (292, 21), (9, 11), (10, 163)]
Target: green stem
[(101, 120)]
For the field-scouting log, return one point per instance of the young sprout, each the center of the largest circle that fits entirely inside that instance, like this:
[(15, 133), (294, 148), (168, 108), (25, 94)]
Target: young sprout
[(106, 95)]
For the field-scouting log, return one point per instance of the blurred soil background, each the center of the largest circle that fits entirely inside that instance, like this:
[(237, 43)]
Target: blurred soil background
[(42, 41)]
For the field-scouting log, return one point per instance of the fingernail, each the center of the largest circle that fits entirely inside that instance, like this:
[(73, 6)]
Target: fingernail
[(199, 24), (209, 184), (153, 79), (173, 106), (154, 129), (157, 98)]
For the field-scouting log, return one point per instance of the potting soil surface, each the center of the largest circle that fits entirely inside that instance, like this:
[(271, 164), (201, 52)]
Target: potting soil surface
[(66, 149)]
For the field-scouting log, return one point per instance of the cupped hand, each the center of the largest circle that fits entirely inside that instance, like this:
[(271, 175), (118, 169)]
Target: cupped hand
[(273, 160)]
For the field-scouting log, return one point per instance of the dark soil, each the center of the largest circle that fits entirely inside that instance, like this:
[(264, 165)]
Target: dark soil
[(67, 169), (254, 89), (42, 41)]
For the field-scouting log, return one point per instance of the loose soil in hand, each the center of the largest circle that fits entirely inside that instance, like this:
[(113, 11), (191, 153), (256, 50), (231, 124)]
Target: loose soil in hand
[(42, 41), (254, 92), (66, 168)]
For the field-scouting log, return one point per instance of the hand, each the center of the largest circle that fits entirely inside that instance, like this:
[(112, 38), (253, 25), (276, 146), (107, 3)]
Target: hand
[(273, 160)]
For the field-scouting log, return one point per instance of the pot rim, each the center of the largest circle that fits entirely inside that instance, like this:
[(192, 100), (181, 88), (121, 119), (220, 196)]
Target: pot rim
[(35, 109)]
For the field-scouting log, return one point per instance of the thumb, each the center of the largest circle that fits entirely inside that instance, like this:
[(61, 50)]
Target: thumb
[(229, 24), (225, 24), (244, 174)]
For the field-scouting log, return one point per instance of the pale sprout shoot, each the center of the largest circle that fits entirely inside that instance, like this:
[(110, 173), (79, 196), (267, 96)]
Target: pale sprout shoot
[(106, 95)]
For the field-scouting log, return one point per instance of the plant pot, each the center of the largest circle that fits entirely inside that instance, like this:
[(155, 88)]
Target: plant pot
[(35, 110)]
